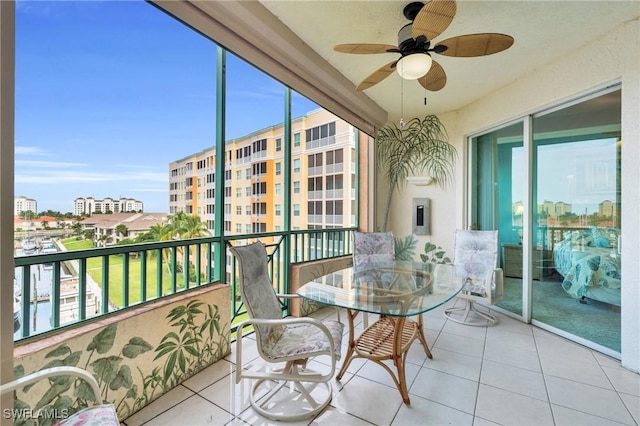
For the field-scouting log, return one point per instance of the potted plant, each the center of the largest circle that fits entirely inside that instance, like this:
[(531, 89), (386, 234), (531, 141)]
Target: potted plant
[(418, 146)]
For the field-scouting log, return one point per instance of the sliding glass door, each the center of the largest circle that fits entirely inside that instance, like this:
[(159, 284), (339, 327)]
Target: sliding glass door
[(573, 195), (576, 191), (497, 187)]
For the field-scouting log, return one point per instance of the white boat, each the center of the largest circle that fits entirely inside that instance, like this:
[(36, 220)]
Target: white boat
[(48, 248), (16, 313), (29, 246)]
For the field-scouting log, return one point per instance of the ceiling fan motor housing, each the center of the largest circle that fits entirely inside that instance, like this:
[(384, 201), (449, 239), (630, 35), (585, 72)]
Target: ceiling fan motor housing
[(407, 44)]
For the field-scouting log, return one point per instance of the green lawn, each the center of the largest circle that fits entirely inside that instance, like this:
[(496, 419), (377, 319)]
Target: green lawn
[(95, 267)]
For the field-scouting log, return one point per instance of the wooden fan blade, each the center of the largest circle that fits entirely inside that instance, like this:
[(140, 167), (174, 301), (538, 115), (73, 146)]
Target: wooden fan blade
[(433, 18), (363, 48), (435, 79), (377, 76), (471, 45)]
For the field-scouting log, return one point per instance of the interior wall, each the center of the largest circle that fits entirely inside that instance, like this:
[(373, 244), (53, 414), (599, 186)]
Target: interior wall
[(567, 78)]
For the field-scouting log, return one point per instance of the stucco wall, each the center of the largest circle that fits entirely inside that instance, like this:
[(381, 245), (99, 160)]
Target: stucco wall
[(610, 59)]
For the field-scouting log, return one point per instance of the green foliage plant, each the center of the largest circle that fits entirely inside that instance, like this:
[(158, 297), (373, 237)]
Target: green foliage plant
[(434, 254)]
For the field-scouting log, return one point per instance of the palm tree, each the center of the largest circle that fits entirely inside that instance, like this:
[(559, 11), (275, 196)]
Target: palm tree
[(121, 229), (161, 232), (420, 145), (188, 226)]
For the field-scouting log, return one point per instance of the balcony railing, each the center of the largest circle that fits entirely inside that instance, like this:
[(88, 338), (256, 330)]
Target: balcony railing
[(65, 288)]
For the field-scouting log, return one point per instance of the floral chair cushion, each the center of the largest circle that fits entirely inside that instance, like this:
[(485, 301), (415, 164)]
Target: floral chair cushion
[(476, 254), (373, 247), (301, 339), (98, 415)]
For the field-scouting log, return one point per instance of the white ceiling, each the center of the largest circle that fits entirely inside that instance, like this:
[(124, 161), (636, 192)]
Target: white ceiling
[(543, 31)]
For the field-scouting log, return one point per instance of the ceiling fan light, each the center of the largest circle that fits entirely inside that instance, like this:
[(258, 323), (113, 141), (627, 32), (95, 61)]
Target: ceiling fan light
[(414, 66)]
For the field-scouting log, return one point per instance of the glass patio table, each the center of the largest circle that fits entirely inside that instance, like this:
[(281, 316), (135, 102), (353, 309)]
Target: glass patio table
[(400, 292)]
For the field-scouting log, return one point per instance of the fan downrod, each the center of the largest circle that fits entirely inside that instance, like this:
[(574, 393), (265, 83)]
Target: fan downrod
[(411, 10)]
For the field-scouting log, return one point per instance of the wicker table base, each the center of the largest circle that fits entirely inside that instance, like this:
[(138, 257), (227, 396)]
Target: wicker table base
[(389, 338)]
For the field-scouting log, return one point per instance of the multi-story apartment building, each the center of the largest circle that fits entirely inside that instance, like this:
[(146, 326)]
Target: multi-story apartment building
[(554, 210), (90, 205), (323, 178), (24, 204)]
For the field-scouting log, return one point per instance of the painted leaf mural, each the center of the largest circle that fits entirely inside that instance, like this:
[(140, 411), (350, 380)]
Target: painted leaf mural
[(196, 339)]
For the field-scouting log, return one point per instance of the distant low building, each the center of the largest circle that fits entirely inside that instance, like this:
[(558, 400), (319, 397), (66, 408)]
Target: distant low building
[(104, 225), (90, 205)]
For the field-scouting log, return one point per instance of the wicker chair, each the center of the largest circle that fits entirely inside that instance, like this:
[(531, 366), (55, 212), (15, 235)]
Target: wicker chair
[(289, 341)]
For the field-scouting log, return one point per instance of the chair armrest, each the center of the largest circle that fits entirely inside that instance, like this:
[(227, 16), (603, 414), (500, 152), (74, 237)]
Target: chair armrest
[(288, 296), (53, 372), (282, 321)]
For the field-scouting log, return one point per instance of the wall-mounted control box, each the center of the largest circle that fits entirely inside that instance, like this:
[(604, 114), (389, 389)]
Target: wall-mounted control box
[(421, 216)]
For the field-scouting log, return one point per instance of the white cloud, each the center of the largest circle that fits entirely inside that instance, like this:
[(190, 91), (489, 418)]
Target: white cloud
[(38, 164), (55, 177), (29, 150)]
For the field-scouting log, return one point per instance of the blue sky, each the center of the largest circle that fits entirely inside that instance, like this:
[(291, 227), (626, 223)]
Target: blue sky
[(578, 173), (108, 93)]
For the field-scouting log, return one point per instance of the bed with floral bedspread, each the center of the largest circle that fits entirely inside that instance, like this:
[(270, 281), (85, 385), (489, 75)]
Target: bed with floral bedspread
[(590, 264)]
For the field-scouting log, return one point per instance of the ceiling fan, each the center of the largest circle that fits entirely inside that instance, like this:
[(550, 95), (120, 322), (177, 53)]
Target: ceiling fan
[(415, 45)]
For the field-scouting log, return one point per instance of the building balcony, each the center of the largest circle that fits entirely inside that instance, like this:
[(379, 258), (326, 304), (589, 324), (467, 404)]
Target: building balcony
[(92, 309)]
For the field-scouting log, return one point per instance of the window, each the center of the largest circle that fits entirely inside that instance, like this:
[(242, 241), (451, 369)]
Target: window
[(334, 207), (238, 228), (321, 135), (239, 210), (296, 165), (314, 184), (259, 145), (248, 174), (296, 139), (260, 188), (315, 160), (278, 168), (278, 188), (315, 208), (259, 208), (278, 145), (296, 186), (278, 209), (335, 157), (296, 209), (238, 192), (259, 168), (238, 174)]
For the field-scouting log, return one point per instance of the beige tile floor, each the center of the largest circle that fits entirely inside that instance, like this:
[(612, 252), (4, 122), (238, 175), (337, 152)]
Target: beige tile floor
[(508, 374)]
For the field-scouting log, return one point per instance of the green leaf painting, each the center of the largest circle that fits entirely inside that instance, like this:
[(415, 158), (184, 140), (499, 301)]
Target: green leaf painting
[(135, 347), (103, 341), (196, 339)]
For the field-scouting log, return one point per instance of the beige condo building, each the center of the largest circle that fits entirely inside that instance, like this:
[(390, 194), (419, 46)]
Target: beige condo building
[(323, 178)]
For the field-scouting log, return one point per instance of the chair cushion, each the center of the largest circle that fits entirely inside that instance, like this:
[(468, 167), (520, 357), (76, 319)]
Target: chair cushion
[(373, 247), (307, 339), (98, 415)]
